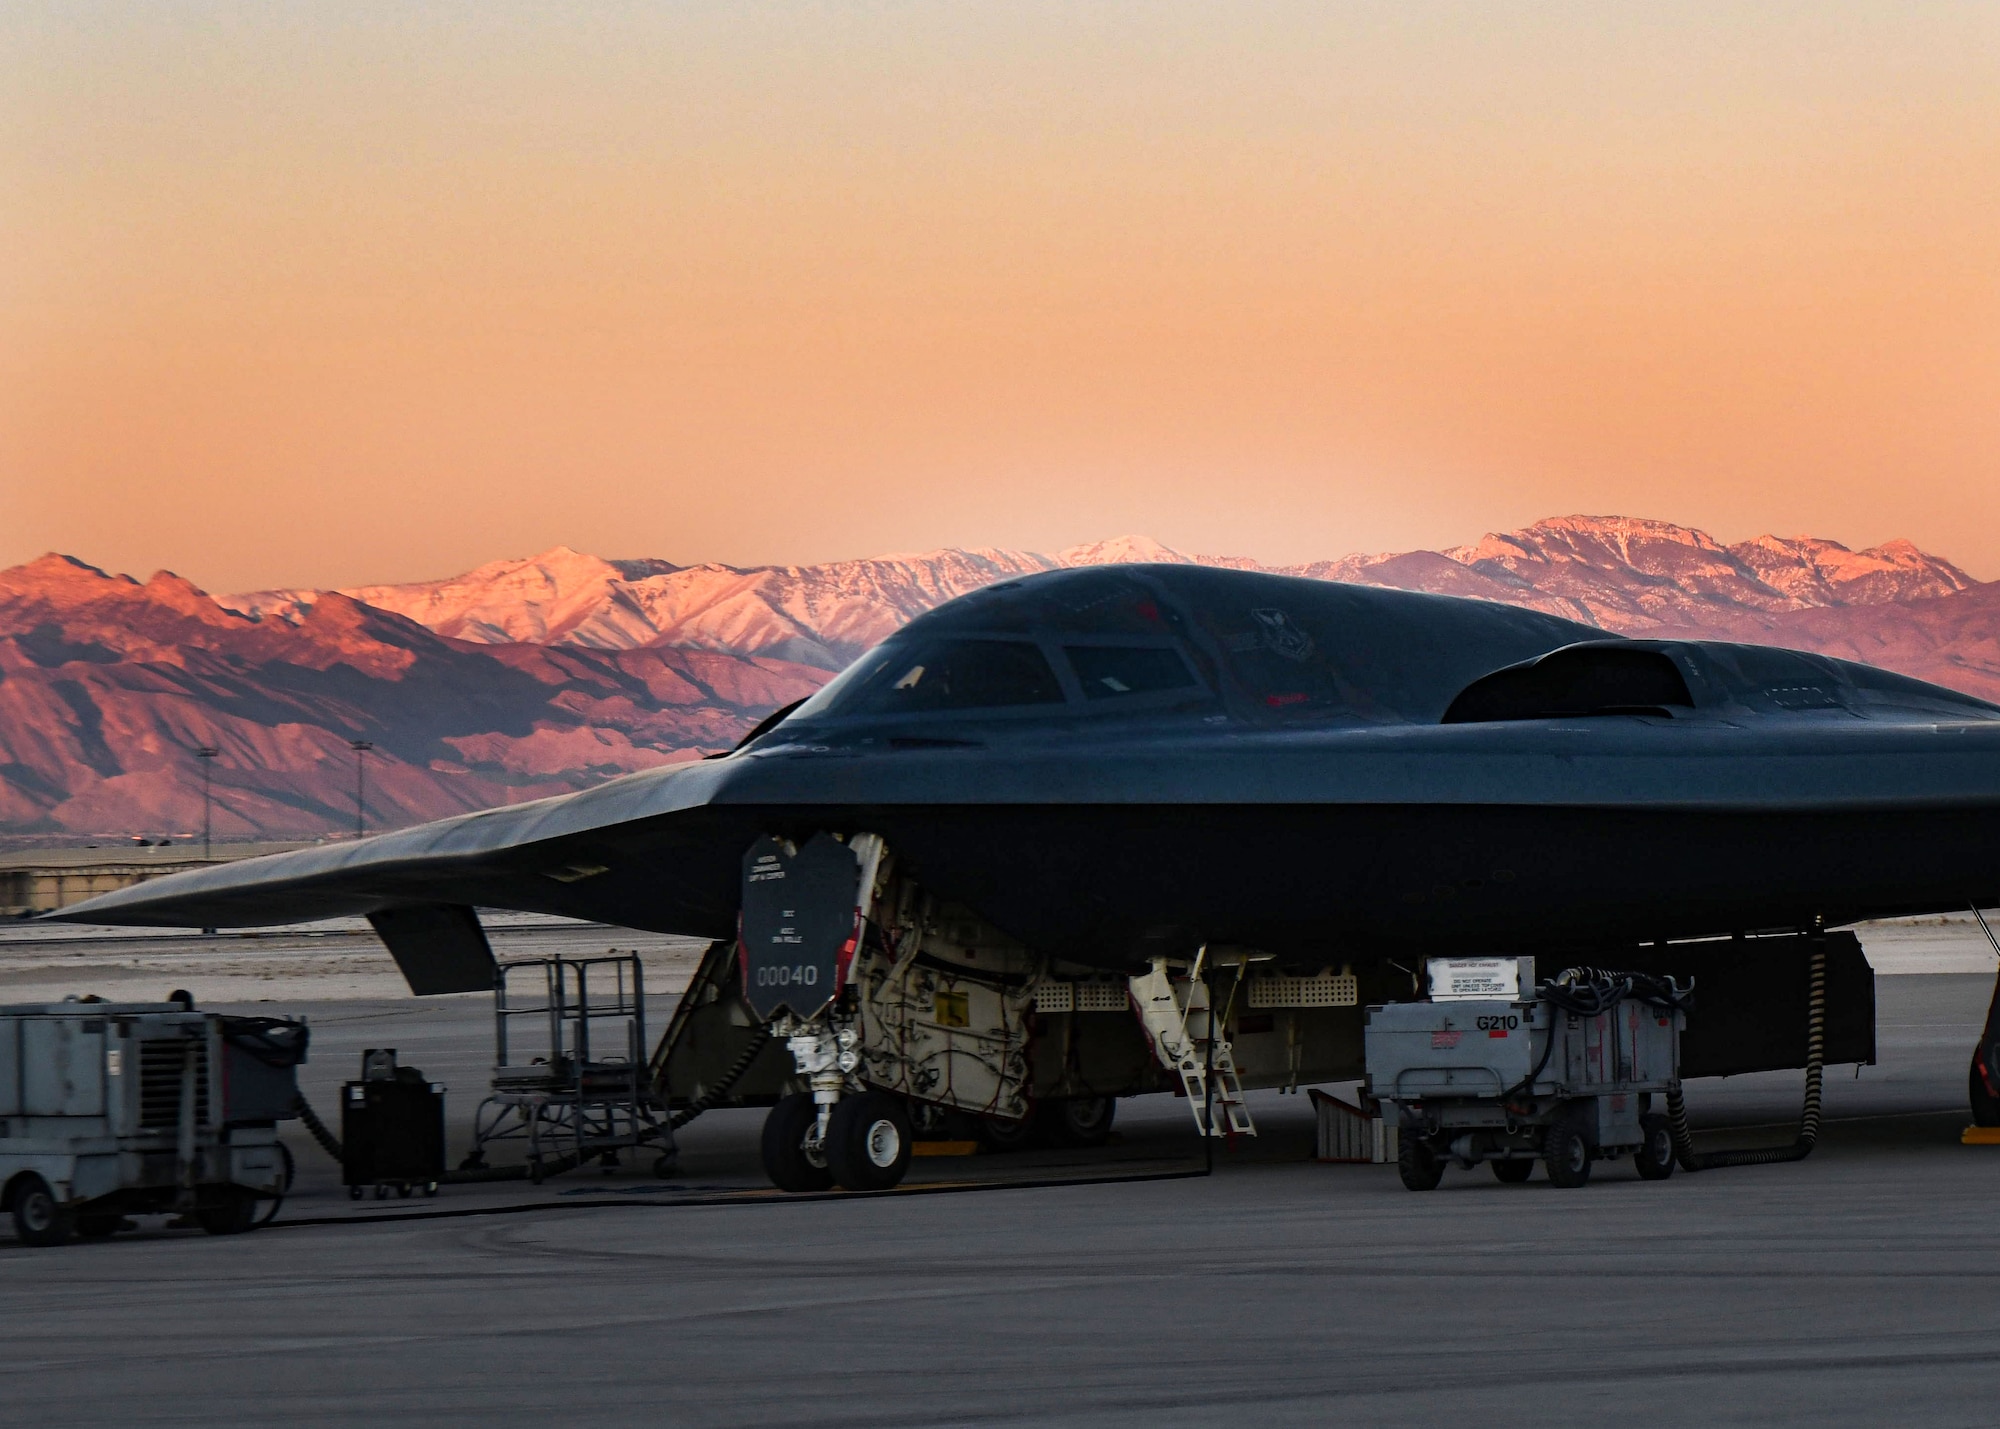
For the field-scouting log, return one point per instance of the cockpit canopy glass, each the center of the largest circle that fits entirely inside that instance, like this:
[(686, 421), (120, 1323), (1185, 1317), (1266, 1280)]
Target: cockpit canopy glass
[(1107, 672), (930, 676), (1175, 641)]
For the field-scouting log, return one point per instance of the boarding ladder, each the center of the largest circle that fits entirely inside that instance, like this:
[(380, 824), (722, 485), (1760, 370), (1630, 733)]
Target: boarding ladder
[(1176, 1014)]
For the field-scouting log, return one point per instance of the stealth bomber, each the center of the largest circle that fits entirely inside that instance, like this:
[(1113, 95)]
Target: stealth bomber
[(1017, 860)]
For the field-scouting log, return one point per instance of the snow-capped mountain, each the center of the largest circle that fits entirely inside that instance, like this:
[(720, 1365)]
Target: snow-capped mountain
[(1624, 574), (108, 686), (553, 672)]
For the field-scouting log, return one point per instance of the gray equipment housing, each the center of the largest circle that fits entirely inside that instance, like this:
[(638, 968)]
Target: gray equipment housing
[(1479, 1080), (137, 1108)]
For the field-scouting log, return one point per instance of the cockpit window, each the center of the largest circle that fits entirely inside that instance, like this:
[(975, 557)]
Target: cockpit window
[(1109, 671), (928, 676)]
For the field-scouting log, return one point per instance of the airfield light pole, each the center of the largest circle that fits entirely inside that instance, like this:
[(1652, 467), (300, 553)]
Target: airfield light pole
[(206, 754), (360, 748)]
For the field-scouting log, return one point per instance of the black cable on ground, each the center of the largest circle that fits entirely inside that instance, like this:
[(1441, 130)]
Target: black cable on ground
[(1801, 1148), (738, 1198), (328, 1142)]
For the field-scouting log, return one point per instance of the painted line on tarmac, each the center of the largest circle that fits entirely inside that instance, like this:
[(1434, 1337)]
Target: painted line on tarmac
[(755, 1197)]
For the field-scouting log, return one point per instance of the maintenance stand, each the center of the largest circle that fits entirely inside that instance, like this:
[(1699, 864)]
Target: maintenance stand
[(571, 1080)]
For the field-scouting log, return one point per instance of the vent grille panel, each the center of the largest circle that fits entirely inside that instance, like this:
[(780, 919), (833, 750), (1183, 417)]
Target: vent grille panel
[(160, 1063), (1326, 990)]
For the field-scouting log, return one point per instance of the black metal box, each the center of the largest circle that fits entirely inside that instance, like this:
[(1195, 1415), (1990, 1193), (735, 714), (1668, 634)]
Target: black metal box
[(392, 1132)]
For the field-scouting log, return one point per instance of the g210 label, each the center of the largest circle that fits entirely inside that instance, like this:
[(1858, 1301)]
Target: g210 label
[(1496, 1022)]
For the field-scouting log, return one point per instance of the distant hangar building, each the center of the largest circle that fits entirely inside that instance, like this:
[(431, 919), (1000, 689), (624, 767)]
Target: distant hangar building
[(41, 880)]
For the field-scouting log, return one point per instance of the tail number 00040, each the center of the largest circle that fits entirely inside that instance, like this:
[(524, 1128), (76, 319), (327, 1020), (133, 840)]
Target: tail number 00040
[(799, 975)]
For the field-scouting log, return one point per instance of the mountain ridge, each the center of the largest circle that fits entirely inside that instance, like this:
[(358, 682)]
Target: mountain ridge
[(550, 673), (1621, 573)]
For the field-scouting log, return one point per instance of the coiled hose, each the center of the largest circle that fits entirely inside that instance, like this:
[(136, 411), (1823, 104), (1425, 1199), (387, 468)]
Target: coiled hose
[(328, 1142), (722, 1085), (1588, 992), (1800, 1149)]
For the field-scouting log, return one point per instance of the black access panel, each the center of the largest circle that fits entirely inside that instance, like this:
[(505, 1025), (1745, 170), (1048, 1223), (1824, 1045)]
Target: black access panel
[(800, 911)]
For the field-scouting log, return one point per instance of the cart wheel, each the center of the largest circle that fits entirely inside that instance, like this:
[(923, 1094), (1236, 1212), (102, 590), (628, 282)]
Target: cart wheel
[(1514, 1172), (353, 1193), (868, 1142), (1077, 1121), (1654, 1159), (233, 1215), (381, 1190), (1566, 1154), (403, 1190), (39, 1218), (1418, 1165), (430, 1188), (997, 1133), (786, 1161)]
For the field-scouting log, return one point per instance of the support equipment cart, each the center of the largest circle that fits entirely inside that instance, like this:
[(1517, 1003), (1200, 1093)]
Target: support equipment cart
[(1565, 1073)]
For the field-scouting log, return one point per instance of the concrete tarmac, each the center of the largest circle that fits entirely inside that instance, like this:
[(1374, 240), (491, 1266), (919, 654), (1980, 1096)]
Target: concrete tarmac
[(1859, 1287)]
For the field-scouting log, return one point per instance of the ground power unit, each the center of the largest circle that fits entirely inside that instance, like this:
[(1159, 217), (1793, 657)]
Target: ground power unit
[(1566, 1073), (111, 1109)]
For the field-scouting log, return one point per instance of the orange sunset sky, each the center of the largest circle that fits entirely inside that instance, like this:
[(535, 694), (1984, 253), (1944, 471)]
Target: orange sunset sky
[(331, 293)]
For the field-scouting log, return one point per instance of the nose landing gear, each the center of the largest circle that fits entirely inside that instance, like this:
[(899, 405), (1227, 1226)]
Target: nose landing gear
[(866, 1146)]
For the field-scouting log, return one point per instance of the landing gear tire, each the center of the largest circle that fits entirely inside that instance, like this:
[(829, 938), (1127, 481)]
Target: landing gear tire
[(1985, 1106), (787, 1162), (1566, 1153), (1515, 1172), (868, 1142), (1078, 1121), (1418, 1165), (1654, 1160), (997, 1133), (39, 1218)]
